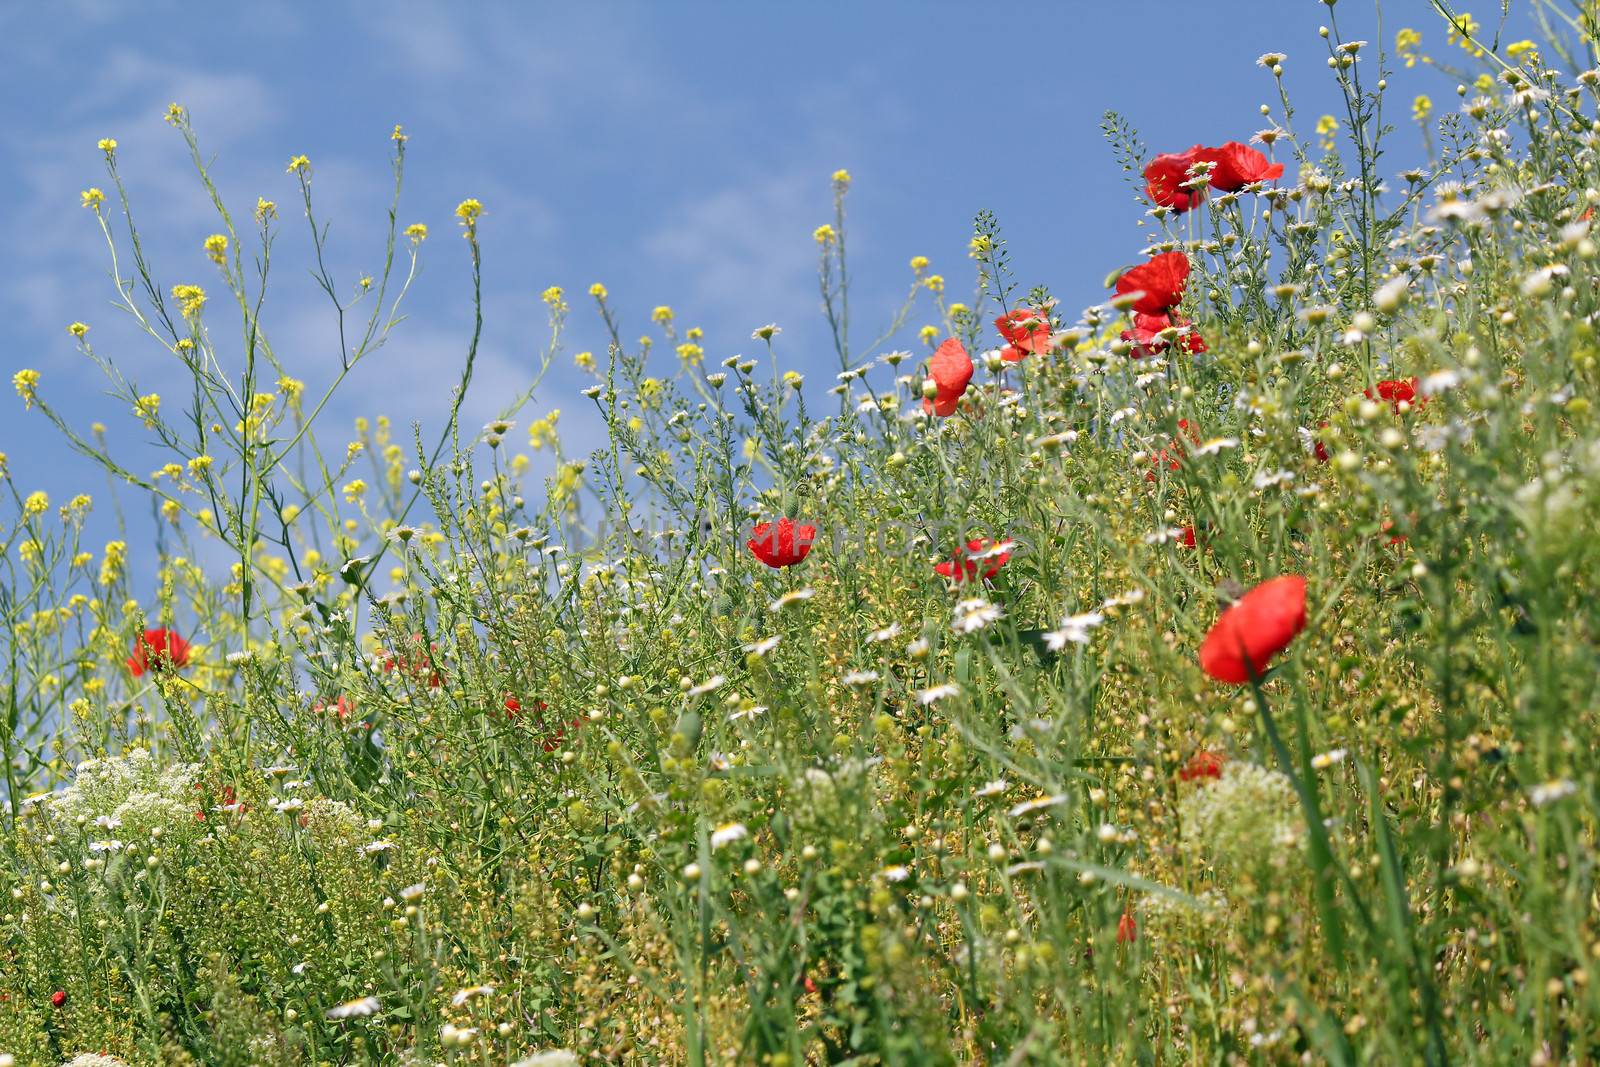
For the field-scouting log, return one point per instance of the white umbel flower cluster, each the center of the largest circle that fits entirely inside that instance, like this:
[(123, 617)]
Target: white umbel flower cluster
[(1247, 819)]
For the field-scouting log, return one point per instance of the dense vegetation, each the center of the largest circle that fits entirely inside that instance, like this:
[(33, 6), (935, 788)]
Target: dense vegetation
[(1209, 676)]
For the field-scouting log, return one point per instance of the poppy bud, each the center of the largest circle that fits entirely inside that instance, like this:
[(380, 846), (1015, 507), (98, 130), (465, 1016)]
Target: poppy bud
[(58, 998)]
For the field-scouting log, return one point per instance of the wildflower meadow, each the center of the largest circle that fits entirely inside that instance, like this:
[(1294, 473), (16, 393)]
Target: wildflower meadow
[(1205, 669)]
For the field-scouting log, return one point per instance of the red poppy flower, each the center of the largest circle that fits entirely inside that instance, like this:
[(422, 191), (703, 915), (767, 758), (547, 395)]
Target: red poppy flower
[(1186, 537), (339, 706), (58, 998), (1145, 336), (158, 649), (1318, 447), (1256, 628), (811, 987), (553, 741), (962, 567), (1236, 165), (1396, 391), (1164, 177), (781, 543), (951, 370), (1127, 929), (1203, 764), (1159, 283), (415, 661), (513, 707), (1025, 331), (1171, 457)]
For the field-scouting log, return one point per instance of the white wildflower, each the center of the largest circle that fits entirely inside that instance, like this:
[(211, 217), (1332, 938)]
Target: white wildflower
[(1552, 791), (354, 1009), (1036, 804), (1074, 629)]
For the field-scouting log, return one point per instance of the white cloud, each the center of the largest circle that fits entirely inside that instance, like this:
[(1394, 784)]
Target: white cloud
[(745, 251)]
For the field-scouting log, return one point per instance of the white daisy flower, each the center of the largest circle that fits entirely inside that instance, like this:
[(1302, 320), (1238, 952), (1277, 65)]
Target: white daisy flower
[(709, 685), (888, 633), (762, 647), (973, 615), (1074, 629), (797, 596), (896, 873), (1025, 867), (354, 1009), (1440, 381), (1036, 804), (934, 694), (728, 833), (855, 678), (1216, 445), (992, 789), (470, 993), (1552, 791), (1268, 479)]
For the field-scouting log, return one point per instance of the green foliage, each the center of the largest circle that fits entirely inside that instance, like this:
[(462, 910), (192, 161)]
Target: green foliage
[(461, 767)]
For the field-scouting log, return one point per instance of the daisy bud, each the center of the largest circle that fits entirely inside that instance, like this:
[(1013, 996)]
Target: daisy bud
[(930, 388), (691, 872)]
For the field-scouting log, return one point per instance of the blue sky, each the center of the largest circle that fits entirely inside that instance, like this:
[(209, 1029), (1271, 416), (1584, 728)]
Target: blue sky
[(678, 152)]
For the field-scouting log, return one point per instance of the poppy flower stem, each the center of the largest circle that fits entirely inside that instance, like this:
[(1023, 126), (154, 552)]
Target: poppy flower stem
[(1321, 851)]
